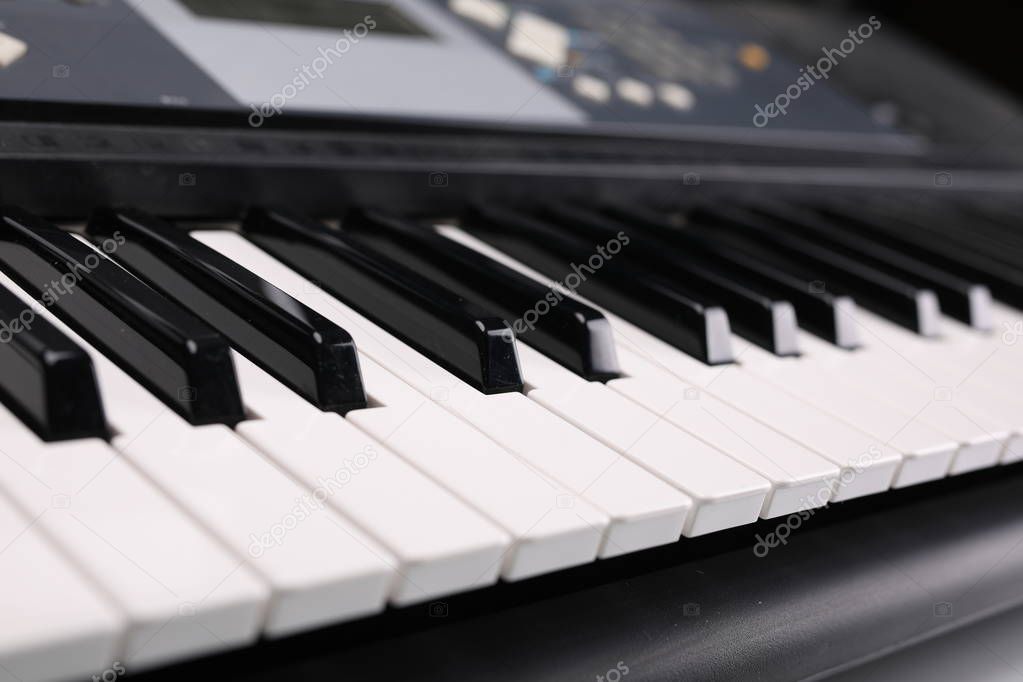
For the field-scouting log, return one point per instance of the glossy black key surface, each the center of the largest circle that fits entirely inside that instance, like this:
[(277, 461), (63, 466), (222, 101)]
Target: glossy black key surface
[(180, 359), (468, 341), (646, 299), (46, 379), (570, 332), (912, 307), (942, 221), (964, 300), (1005, 281), (767, 322), (305, 351), (820, 312)]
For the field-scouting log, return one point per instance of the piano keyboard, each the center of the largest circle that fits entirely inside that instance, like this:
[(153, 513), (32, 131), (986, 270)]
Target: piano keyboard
[(220, 433)]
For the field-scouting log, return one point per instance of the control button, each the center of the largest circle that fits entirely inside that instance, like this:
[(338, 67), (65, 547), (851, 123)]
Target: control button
[(635, 91), (592, 87), (754, 57), (538, 39), (11, 50), (490, 13), (676, 96)]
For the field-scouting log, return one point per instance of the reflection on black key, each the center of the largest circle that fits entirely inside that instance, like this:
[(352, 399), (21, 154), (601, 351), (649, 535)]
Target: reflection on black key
[(947, 222), (820, 312), (570, 332), (46, 379), (912, 307), (646, 299), (176, 356), (945, 225), (759, 318), (305, 351), (966, 301), (447, 328), (1005, 281)]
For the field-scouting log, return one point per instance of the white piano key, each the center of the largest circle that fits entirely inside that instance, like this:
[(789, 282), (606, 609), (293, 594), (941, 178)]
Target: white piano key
[(645, 512), (896, 378), (436, 444), (867, 465), (955, 362), (442, 545), (724, 493), (321, 569), (550, 528), (927, 453), (55, 624), (181, 592), (800, 478), (898, 384)]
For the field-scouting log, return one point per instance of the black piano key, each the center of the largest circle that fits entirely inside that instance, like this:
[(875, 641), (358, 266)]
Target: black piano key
[(570, 332), (913, 307), (1004, 281), (305, 351), (945, 222), (964, 300), (442, 325), (757, 317), (647, 300), (46, 379), (1001, 216), (161, 345), (820, 312)]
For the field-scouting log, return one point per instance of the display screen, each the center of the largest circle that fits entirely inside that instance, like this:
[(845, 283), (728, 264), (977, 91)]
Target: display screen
[(329, 14)]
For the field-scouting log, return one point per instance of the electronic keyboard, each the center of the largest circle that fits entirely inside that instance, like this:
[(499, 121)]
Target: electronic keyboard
[(489, 340)]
